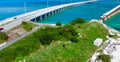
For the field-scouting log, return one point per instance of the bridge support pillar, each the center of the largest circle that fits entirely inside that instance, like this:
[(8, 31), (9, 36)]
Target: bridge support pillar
[(61, 9), (49, 14), (35, 19), (52, 12), (40, 18), (45, 15)]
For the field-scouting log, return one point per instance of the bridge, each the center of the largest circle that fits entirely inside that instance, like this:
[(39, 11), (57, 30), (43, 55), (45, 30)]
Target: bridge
[(110, 13), (36, 15)]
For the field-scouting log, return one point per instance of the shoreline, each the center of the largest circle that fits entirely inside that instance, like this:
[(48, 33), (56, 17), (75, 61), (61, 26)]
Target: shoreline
[(106, 26), (109, 28), (10, 19)]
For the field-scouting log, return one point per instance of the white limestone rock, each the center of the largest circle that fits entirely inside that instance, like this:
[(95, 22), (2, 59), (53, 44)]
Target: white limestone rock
[(98, 42)]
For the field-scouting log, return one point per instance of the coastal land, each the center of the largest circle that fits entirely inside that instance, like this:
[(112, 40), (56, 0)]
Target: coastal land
[(70, 42), (78, 41)]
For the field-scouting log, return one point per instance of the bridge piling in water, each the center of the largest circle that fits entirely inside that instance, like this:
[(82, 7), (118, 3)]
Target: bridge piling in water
[(41, 17)]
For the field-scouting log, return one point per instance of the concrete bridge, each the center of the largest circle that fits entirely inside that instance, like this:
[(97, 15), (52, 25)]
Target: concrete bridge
[(40, 14), (110, 13)]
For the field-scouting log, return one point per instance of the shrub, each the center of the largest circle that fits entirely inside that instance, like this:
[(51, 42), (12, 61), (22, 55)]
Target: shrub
[(104, 58), (24, 23), (74, 39), (58, 24), (46, 35), (78, 20), (113, 36), (46, 38), (27, 26), (68, 32), (3, 36)]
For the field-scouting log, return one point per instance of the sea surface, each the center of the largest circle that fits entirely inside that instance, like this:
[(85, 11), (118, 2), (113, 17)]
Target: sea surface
[(87, 11)]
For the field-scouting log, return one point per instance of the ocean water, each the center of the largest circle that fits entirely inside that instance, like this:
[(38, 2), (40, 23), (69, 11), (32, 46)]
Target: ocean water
[(10, 9), (114, 22), (87, 11)]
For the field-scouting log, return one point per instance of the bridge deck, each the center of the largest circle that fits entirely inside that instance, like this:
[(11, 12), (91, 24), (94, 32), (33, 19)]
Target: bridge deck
[(110, 13), (107, 13)]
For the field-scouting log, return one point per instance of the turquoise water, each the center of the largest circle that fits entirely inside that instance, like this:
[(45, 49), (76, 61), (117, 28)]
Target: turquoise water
[(87, 11), (10, 9), (114, 22)]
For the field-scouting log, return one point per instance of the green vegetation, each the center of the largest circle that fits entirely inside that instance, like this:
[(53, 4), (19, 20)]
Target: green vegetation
[(68, 43), (46, 36), (3, 36), (77, 21), (100, 51), (104, 58), (27, 25), (113, 36), (58, 24), (67, 51), (19, 49), (61, 33)]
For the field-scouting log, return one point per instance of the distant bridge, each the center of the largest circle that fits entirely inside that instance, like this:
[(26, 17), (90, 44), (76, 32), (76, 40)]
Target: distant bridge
[(110, 13), (37, 15)]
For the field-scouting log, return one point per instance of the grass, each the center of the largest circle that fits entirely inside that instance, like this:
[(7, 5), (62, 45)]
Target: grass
[(61, 50), (72, 52), (28, 25), (19, 49)]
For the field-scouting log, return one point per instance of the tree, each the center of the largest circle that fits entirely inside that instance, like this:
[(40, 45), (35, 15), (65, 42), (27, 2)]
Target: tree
[(58, 24), (78, 20), (46, 35), (68, 32), (46, 38)]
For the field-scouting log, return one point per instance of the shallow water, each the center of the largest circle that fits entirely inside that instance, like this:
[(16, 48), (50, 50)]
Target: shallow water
[(114, 22)]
